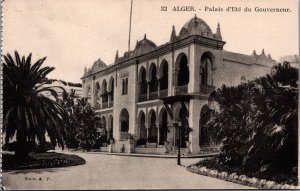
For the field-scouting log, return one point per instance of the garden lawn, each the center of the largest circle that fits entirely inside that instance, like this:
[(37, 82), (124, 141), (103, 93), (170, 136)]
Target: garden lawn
[(41, 160)]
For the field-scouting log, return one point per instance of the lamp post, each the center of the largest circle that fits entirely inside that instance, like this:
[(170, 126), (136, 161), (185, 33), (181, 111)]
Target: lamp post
[(179, 144)]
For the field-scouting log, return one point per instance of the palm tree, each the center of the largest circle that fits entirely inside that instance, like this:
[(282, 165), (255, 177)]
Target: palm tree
[(68, 98), (27, 112)]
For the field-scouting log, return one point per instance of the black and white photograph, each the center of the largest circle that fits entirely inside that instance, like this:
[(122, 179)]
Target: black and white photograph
[(149, 94)]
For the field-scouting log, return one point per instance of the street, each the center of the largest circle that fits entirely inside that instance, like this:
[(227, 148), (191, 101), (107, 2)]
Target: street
[(116, 172)]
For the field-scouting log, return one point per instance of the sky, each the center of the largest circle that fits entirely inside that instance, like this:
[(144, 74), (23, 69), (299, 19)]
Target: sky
[(75, 33)]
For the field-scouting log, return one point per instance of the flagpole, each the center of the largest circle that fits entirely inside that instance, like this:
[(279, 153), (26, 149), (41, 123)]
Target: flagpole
[(129, 28)]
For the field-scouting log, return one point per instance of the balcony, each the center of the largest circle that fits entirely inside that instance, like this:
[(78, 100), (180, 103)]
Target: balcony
[(163, 93), (142, 97), (182, 90), (206, 89), (104, 105), (97, 106), (111, 104), (153, 95)]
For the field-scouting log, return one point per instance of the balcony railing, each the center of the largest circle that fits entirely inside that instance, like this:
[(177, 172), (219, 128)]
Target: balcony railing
[(153, 95), (163, 93), (97, 106), (111, 104), (206, 89), (142, 97), (123, 135), (181, 90), (104, 105)]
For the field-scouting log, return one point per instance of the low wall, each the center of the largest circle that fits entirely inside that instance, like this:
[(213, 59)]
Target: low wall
[(150, 150)]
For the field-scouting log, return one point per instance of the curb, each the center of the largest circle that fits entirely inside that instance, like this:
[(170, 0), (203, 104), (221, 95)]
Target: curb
[(148, 155)]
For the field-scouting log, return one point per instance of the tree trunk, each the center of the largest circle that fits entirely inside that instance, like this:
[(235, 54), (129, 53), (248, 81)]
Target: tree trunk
[(22, 149)]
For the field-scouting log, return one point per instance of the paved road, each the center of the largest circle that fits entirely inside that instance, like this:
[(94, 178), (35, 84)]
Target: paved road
[(115, 172)]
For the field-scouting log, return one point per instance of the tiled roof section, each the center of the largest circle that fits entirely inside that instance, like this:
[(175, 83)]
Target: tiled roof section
[(254, 58), (236, 57)]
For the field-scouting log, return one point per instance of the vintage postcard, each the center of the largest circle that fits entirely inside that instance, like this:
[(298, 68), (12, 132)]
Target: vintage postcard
[(150, 94)]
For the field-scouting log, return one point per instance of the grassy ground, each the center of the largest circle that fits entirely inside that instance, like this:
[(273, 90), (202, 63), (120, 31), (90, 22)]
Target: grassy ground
[(41, 160), (290, 178)]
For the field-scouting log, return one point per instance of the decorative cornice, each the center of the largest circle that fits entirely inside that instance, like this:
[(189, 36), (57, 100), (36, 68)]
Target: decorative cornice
[(162, 50)]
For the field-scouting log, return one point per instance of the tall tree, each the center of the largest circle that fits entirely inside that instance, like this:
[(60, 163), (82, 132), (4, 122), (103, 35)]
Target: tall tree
[(258, 122), (88, 122), (68, 103), (27, 112)]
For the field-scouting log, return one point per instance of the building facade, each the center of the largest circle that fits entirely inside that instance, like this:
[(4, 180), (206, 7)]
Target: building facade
[(152, 90), (57, 85)]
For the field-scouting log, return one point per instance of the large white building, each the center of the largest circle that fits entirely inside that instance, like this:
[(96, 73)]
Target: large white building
[(151, 89)]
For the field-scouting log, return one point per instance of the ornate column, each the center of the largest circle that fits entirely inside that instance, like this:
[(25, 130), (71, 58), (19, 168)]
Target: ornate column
[(147, 128), (158, 86), (108, 98), (175, 127), (148, 90), (158, 78), (147, 125), (100, 99), (175, 79), (93, 93), (157, 126)]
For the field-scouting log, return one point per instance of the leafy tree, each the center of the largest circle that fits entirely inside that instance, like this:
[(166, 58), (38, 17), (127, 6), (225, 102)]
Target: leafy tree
[(27, 112), (258, 122), (88, 123), (68, 103)]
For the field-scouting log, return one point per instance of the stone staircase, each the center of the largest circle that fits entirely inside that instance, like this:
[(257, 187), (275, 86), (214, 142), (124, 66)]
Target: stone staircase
[(175, 152)]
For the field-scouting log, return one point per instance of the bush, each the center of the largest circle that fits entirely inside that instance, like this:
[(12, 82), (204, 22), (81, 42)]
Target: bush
[(38, 148), (41, 160), (213, 164), (31, 147)]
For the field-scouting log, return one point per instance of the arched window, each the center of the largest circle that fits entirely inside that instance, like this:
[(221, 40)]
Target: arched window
[(153, 86), (97, 93), (124, 86), (142, 126), (163, 129), (152, 128), (164, 78), (205, 115), (143, 81), (103, 131), (111, 87), (205, 69), (89, 93), (183, 74), (104, 92), (124, 121), (110, 133)]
